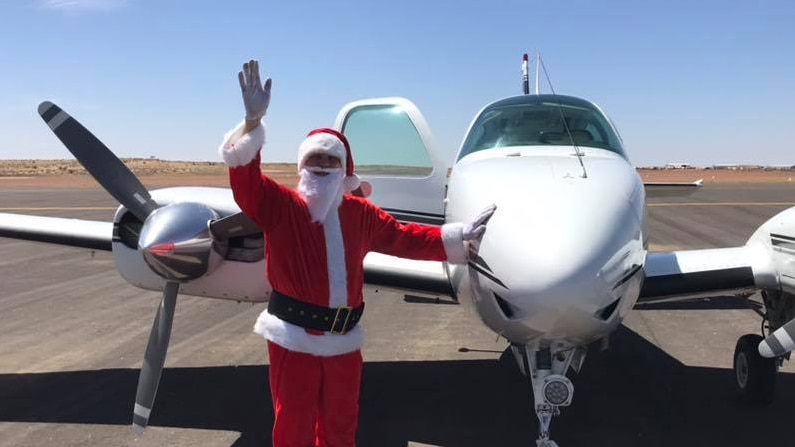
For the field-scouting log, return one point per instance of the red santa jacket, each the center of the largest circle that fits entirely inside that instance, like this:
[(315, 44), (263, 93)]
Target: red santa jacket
[(322, 263)]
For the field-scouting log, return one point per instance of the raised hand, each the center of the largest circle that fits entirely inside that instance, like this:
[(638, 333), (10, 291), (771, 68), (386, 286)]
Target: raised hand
[(256, 96)]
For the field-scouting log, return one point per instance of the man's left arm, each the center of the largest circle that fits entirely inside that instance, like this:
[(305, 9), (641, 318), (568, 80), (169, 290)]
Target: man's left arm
[(424, 242)]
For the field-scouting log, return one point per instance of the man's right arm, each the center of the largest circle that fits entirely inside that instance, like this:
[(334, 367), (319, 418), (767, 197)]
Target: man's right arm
[(258, 196)]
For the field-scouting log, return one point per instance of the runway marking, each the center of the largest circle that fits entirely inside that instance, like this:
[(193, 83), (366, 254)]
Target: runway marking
[(669, 204), (59, 208)]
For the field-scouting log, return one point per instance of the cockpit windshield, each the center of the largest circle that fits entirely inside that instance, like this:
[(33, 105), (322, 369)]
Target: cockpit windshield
[(538, 120)]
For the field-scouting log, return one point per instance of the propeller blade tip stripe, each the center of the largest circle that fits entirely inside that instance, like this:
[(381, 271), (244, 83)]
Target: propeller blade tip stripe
[(778, 343), (770, 348), (139, 423), (142, 411), (139, 198), (47, 110), (57, 120)]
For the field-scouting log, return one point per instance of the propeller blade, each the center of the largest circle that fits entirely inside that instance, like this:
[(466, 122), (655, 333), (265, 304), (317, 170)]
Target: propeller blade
[(154, 358), (99, 161), (779, 342), (233, 225)]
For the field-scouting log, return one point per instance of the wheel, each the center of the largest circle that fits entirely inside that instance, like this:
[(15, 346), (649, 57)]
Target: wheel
[(755, 375)]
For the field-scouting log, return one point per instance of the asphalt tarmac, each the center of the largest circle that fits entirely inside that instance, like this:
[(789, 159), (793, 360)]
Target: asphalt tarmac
[(73, 333)]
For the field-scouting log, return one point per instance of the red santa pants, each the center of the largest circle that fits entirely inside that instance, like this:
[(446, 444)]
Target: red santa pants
[(315, 399)]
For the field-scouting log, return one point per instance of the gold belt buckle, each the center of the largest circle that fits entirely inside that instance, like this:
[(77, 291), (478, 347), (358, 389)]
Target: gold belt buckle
[(342, 331)]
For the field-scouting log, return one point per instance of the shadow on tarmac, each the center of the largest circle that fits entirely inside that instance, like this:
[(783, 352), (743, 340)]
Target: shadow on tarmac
[(711, 303), (634, 394)]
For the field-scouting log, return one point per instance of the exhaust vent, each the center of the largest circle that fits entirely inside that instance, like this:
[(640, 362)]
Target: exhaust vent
[(506, 308), (606, 312)]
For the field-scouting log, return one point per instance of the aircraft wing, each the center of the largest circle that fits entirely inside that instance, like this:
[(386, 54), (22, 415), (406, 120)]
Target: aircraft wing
[(381, 271), (406, 275), (56, 230), (694, 273), (671, 189)]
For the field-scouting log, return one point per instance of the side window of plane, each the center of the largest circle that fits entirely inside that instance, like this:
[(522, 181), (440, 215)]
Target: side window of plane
[(384, 141)]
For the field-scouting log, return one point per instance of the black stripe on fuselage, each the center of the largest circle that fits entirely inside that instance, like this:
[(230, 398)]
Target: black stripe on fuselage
[(416, 216), (487, 274), (697, 282), (783, 243), (410, 218), (628, 276), (781, 236), (482, 262), (419, 213)]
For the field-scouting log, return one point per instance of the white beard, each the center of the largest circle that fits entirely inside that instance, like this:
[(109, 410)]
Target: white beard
[(321, 193)]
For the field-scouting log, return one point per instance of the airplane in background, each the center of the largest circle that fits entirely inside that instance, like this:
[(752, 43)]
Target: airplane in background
[(563, 261)]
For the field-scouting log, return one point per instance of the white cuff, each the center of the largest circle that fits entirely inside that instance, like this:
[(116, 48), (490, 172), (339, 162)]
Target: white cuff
[(453, 239), (238, 149)]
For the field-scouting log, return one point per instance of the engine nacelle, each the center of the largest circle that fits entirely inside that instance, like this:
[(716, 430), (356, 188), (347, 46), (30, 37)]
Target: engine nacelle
[(235, 270), (774, 247)]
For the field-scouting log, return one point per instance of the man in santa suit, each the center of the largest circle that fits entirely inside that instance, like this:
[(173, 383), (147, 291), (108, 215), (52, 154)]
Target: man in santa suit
[(316, 240)]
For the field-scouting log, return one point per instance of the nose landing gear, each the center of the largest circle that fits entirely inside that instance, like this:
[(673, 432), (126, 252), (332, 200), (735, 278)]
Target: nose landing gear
[(545, 371)]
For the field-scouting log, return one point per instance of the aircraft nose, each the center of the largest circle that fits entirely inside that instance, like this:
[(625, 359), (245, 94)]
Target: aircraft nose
[(556, 247), (554, 267)]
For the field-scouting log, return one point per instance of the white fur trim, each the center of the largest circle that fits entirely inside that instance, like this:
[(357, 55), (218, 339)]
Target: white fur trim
[(296, 338), (239, 149), (321, 194), (454, 247), (321, 143), (351, 182), (335, 259)]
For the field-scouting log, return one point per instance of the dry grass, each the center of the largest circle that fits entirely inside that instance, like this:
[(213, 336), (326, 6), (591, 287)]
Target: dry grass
[(159, 173), (717, 176), (154, 173)]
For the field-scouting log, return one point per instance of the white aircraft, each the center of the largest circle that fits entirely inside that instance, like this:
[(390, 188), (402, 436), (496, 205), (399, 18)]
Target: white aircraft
[(563, 261)]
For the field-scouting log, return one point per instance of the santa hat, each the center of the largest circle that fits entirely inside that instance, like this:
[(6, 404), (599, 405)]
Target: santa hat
[(333, 143)]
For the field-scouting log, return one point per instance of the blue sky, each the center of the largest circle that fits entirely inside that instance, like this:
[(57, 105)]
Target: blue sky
[(685, 81)]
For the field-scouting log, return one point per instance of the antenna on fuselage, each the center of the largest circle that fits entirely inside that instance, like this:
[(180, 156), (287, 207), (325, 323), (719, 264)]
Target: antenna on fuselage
[(577, 150), (538, 71)]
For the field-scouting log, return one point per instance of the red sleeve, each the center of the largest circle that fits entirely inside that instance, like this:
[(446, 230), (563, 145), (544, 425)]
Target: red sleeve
[(413, 241), (258, 196)]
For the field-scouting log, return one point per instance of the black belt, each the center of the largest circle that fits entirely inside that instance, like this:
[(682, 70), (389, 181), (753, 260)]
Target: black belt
[(337, 320)]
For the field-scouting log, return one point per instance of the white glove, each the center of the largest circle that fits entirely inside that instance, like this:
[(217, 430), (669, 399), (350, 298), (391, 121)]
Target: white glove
[(475, 229), (256, 96)]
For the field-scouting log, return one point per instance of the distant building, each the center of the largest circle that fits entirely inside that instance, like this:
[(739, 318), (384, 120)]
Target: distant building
[(779, 168), (739, 167), (679, 166), (730, 167)]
